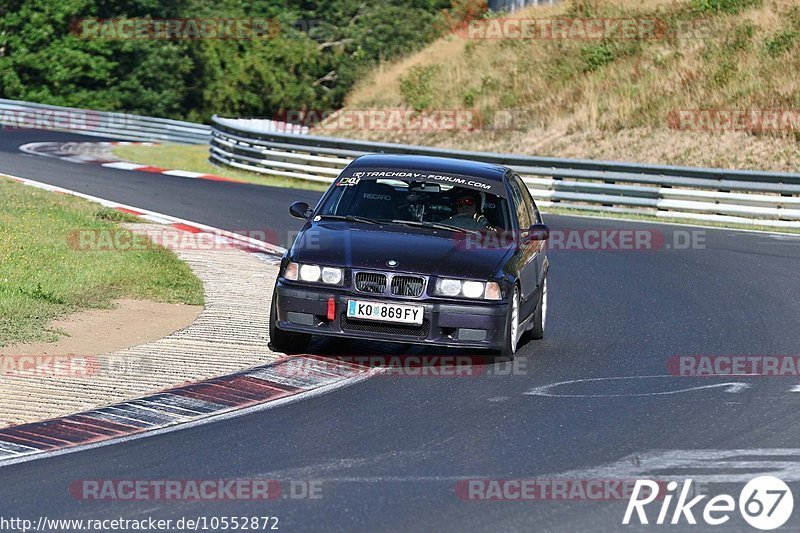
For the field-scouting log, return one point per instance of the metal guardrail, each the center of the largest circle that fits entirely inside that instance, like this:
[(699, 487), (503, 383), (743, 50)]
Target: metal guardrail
[(27, 115), (706, 194)]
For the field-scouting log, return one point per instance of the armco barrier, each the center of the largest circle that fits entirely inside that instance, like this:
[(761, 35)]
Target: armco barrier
[(27, 115), (270, 147), (706, 194)]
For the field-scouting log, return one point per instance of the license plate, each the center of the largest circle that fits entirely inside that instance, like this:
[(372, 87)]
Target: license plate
[(383, 312)]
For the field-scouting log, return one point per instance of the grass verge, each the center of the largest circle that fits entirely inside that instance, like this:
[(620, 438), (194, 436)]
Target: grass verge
[(194, 158), (42, 278), (616, 98)]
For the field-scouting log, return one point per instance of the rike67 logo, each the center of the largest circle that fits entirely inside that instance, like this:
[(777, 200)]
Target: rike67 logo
[(765, 503)]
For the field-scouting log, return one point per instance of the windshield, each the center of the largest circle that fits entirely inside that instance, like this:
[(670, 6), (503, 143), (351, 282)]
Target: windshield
[(419, 202)]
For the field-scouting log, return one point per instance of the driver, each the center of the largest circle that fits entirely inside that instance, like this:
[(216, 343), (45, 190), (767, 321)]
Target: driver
[(467, 216)]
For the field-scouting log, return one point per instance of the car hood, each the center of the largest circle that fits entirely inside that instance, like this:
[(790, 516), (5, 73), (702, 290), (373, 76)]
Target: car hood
[(423, 251)]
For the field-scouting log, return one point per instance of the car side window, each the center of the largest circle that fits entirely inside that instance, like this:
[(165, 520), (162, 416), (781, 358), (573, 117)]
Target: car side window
[(520, 208), (537, 217), (528, 199)]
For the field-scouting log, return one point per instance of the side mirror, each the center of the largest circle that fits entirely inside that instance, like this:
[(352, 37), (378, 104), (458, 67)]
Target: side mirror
[(300, 210), (539, 232)]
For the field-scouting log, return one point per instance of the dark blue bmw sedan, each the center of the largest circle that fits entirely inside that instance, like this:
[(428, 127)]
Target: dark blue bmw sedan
[(414, 249)]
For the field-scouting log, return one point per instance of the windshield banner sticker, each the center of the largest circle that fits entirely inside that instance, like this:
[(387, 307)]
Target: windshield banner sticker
[(495, 187), (348, 182)]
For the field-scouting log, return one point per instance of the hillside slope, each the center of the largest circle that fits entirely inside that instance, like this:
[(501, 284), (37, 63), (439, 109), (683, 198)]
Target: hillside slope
[(664, 98)]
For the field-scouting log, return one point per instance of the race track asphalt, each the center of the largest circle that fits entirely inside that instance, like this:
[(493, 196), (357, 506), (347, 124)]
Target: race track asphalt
[(389, 451)]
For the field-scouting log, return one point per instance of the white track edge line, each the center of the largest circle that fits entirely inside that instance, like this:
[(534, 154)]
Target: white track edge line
[(268, 247)]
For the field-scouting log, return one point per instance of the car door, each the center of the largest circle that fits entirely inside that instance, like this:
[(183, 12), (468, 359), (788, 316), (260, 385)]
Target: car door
[(540, 252), (528, 277)]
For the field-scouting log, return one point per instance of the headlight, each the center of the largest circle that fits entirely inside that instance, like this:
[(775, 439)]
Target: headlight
[(449, 287), (313, 274), (493, 291), (332, 276), (290, 272), (310, 272), (473, 289), (468, 289)]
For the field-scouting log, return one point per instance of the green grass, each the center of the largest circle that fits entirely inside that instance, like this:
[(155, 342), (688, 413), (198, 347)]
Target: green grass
[(194, 158), (724, 6), (42, 278)]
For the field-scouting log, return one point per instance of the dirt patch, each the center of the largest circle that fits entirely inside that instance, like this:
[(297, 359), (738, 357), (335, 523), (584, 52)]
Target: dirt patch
[(229, 335), (98, 331)]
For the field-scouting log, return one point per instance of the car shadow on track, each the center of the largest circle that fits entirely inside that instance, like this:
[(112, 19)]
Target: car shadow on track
[(399, 356)]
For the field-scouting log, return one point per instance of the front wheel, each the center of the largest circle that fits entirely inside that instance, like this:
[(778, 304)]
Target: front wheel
[(512, 326), (540, 317), (284, 341)]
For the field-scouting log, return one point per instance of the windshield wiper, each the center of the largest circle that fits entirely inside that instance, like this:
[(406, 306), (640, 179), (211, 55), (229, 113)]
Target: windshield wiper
[(352, 218), (436, 225)]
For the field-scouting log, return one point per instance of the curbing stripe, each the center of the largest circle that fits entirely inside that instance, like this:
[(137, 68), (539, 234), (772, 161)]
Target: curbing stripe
[(153, 170), (113, 416), (53, 149), (183, 173), (139, 414), (11, 438), (56, 429), (77, 426), (129, 211), (186, 227), (212, 177), (119, 429), (122, 165), (181, 405), (293, 378), (9, 448), (228, 396), (160, 407), (187, 404), (197, 403), (19, 436)]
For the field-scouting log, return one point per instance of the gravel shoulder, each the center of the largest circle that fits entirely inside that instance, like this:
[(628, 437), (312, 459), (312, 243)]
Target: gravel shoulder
[(228, 335)]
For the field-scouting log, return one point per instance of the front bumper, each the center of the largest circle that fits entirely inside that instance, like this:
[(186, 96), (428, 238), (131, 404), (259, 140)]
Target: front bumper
[(451, 323)]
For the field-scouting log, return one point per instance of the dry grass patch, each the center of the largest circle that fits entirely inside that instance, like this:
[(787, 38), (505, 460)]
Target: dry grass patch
[(611, 98)]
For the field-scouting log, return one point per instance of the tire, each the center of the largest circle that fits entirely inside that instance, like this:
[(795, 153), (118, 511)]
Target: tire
[(284, 341), (512, 333), (540, 316)]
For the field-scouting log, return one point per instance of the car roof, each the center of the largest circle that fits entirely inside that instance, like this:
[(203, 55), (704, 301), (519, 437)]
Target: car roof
[(444, 165)]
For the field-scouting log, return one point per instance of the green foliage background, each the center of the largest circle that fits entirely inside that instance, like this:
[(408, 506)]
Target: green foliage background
[(321, 49)]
